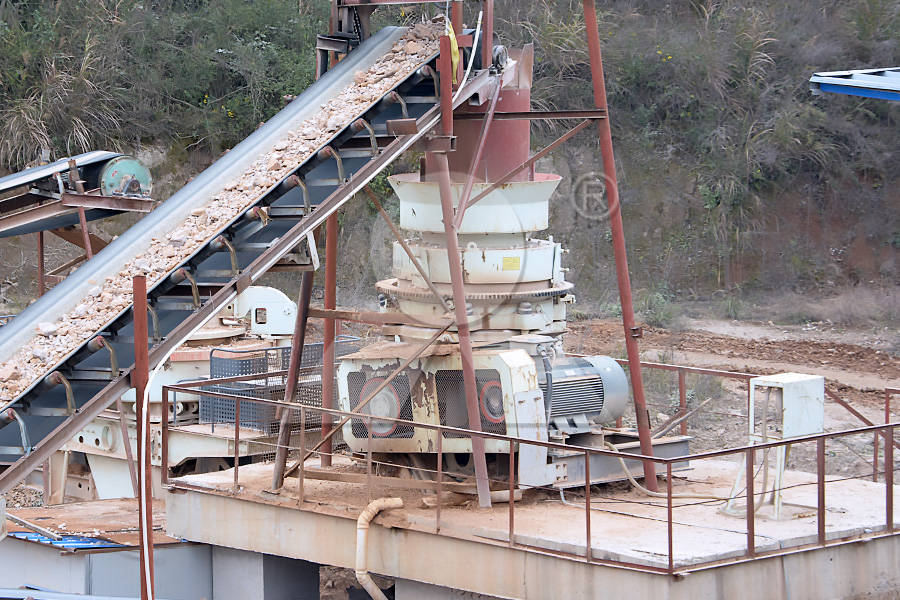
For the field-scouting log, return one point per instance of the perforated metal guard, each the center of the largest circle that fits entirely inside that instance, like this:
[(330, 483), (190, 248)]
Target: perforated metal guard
[(451, 398), (234, 363), (400, 384)]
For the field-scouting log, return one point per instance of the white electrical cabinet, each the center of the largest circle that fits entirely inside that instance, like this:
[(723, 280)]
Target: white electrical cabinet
[(797, 401)]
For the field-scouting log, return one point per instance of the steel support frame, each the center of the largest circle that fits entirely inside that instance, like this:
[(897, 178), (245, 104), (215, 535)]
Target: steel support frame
[(139, 380), (457, 280), (619, 250), (297, 344), (888, 394)]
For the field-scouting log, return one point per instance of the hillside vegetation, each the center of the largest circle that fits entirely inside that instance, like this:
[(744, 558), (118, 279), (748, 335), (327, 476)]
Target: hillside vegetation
[(735, 179)]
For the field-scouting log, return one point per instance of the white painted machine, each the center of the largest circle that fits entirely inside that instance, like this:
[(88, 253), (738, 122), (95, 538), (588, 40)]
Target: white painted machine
[(260, 318)]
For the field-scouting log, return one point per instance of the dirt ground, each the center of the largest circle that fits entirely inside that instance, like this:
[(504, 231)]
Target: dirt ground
[(853, 364)]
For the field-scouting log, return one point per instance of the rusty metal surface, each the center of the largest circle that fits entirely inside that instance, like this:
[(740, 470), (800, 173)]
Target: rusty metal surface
[(618, 237)]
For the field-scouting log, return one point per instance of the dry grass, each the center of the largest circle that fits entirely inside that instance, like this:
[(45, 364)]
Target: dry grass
[(859, 306)]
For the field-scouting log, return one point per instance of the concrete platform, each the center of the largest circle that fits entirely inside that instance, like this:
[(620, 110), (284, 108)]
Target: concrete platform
[(471, 552)]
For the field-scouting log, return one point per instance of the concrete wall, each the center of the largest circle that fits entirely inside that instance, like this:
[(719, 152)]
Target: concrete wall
[(180, 572), (29, 564), (239, 575), (866, 569), (183, 572)]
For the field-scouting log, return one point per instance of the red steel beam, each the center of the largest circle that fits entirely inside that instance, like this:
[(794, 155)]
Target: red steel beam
[(331, 233), (487, 25), (456, 17), (40, 263), (470, 180), (297, 343), (445, 68), (619, 250), (139, 379), (85, 234), (442, 167)]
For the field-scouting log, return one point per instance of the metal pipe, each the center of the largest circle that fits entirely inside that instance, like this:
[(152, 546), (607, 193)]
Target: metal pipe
[(237, 443), (362, 538), (751, 512), (587, 506), (40, 263), (297, 344), (330, 330), (456, 16), (328, 151), (440, 481), (487, 45), (470, 180), (85, 233), (139, 380), (164, 435), (889, 477), (512, 495), (820, 489), (302, 477), (395, 97), (361, 124), (126, 443), (462, 327), (35, 528), (619, 250), (445, 69), (669, 518)]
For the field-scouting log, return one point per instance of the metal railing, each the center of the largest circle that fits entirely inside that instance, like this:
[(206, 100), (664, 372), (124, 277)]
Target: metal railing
[(747, 454)]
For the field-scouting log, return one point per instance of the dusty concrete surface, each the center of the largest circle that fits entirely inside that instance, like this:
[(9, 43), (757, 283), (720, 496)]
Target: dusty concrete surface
[(702, 531), (472, 552)]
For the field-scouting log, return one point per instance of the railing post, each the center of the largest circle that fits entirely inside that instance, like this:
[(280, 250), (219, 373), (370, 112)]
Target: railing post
[(369, 463), (512, 495), (237, 442), (751, 513), (820, 487), (164, 435), (875, 458), (669, 516), (440, 480), (587, 505), (302, 467), (682, 399), (889, 477)]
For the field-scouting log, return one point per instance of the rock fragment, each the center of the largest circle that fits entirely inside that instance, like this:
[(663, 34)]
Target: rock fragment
[(47, 329)]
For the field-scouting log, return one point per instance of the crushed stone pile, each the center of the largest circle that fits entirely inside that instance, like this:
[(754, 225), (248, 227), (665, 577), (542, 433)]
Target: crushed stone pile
[(108, 298)]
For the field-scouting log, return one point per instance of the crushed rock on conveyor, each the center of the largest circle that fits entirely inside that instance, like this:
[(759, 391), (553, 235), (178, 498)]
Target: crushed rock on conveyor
[(108, 298)]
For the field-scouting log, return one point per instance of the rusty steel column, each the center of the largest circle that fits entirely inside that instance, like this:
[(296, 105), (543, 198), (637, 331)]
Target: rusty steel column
[(139, 379), (290, 388), (487, 24), (462, 325), (456, 16), (331, 233), (619, 251), (42, 287)]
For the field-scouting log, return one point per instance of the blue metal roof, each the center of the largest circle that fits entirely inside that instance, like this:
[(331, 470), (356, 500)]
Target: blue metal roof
[(883, 84), (68, 542)]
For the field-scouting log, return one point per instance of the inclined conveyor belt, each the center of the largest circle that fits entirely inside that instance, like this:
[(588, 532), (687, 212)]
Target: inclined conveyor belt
[(259, 245)]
